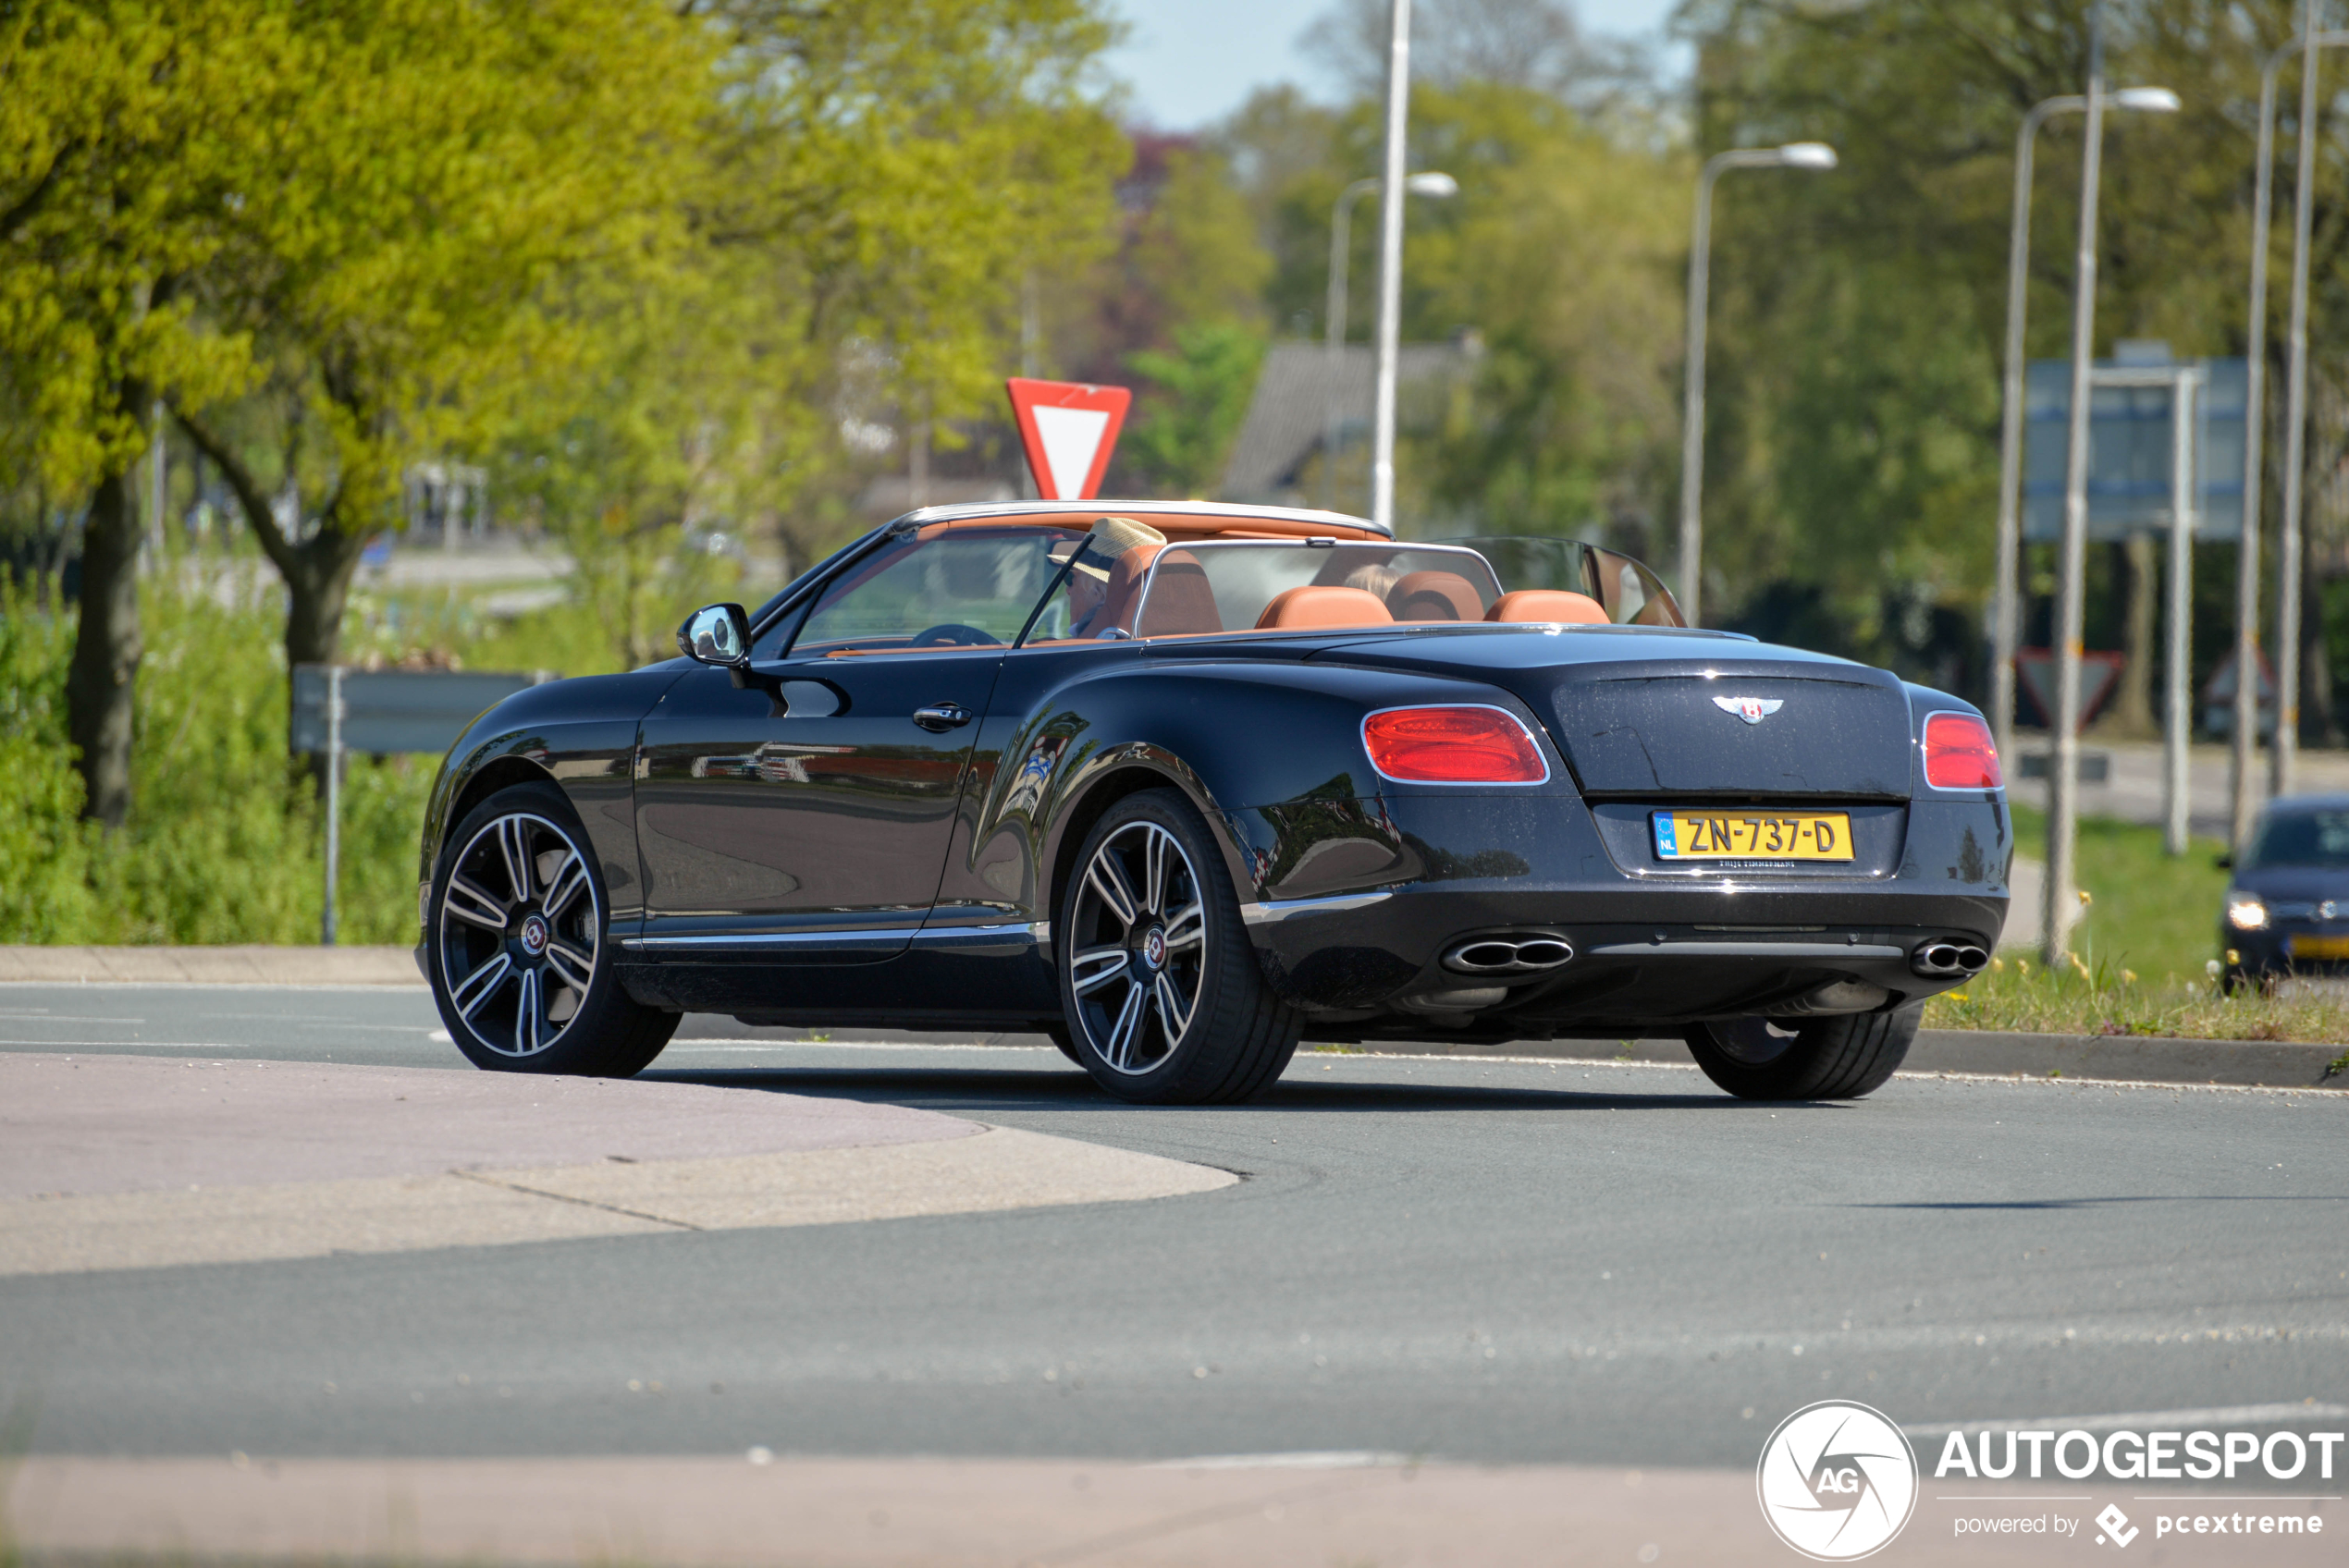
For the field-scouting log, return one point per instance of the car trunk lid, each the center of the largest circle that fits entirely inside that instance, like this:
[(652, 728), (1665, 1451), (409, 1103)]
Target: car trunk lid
[(1660, 715)]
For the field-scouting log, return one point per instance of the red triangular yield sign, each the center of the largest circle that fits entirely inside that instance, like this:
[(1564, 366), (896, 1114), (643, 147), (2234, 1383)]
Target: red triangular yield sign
[(2099, 675), (1069, 429)]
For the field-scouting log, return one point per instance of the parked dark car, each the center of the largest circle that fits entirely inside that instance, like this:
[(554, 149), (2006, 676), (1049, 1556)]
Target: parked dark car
[(2287, 908), (1181, 785)]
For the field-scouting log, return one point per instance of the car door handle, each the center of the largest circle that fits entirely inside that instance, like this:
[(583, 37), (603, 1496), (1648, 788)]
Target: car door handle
[(943, 716)]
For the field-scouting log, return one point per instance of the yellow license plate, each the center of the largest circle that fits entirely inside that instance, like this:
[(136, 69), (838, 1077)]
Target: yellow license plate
[(2320, 947), (1753, 834)]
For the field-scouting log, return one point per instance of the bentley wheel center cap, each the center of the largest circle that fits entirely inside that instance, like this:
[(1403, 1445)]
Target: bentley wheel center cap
[(1154, 948), (534, 934)]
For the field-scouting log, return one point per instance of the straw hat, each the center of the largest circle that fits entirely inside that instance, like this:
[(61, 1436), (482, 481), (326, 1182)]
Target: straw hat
[(1112, 537)]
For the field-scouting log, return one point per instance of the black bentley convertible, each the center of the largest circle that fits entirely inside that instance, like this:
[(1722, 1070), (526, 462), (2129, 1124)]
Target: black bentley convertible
[(1181, 785)]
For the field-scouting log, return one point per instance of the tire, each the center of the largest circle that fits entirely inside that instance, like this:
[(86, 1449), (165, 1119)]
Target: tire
[(1058, 1034), (519, 945), (1149, 903), (1840, 1058)]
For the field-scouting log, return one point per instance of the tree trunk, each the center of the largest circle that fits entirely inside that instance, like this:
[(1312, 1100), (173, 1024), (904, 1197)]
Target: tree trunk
[(2133, 716), (101, 683), (317, 586)]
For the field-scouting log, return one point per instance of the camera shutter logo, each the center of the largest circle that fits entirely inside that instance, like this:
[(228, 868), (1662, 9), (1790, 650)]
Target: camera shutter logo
[(1837, 1481)]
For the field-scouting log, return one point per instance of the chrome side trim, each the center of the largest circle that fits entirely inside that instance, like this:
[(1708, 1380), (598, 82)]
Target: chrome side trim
[(1275, 910), (770, 941), (978, 938), (1824, 951)]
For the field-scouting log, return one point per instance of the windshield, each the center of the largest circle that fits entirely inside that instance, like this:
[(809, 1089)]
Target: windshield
[(1242, 585), (1628, 592), (2301, 838)]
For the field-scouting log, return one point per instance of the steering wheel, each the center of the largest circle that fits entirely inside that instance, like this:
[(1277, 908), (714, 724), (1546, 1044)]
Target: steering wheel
[(955, 634)]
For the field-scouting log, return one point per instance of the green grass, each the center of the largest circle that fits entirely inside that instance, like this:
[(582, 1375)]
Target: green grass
[(2142, 955)]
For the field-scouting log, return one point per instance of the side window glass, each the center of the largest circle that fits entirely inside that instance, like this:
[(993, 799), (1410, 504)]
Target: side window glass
[(947, 588)]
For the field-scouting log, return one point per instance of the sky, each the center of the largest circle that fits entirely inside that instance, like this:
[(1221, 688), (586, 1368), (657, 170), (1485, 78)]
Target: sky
[(1188, 62)]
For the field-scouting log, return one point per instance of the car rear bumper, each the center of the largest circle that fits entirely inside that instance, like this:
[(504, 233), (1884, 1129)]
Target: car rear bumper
[(1641, 956)]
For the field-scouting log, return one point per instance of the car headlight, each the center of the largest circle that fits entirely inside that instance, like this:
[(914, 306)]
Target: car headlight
[(2247, 912)]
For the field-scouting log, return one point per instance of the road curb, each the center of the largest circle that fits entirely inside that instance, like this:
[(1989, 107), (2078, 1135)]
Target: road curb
[(250, 964), (2000, 1053)]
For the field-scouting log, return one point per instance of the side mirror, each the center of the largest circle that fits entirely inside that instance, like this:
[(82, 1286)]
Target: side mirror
[(718, 634)]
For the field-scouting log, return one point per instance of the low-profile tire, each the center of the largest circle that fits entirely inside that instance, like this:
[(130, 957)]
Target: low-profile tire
[(1058, 1035), (1839, 1057), (1164, 1000), (518, 946)]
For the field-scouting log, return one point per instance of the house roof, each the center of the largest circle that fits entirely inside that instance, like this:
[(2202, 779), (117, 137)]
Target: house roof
[(1288, 418)]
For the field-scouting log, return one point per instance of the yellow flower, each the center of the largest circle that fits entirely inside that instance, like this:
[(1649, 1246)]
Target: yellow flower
[(2085, 900), (2128, 976)]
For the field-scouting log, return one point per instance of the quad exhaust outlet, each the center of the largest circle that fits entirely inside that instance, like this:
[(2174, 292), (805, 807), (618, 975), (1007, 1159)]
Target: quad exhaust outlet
[(1940, 959), (1531, 954)]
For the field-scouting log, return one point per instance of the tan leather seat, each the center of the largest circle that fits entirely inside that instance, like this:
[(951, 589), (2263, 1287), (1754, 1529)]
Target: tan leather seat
[(1546, 606), (1181, 601), (1310, 606), (1124, 584), (1434, 595)]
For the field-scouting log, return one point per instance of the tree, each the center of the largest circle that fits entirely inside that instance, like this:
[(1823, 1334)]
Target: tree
[(121, 147), (1187, 424), (440, 167)]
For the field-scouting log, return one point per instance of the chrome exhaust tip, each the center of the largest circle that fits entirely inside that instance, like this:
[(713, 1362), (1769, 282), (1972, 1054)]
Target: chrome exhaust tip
[(1531, 954), (1941, 959)]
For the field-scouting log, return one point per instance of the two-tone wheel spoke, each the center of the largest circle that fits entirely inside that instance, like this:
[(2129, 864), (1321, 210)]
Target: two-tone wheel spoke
[(1096, 967), (526, 1007), (1107, 878), (1123, 1032), (1186, 928), (570, 965), (475, 906), (568, 881), (1173, 1012), (470, 993), (513, 847), (1157, 844)]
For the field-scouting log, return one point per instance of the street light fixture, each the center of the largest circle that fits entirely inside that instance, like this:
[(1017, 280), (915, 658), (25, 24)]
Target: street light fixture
[(2005, 630), (1433, 183), (1793, 156)]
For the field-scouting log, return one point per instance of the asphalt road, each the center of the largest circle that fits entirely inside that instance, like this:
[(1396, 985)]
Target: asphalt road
[(1476, 1261)]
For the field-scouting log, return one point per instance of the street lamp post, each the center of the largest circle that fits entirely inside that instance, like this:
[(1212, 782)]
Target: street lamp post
[(1390, 266), (2246, 718), (2062, 907), (2284, 753), (1334, 311), (1793, 156), (2006, 630)]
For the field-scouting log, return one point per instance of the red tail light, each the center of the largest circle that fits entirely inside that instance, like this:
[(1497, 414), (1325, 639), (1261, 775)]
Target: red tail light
[(1462, 745), (1959, 754)]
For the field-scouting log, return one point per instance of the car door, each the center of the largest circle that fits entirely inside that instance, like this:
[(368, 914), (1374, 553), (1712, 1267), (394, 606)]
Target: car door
[(817, 833)]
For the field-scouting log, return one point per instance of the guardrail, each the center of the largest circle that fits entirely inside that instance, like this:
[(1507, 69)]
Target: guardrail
[(338, 710)]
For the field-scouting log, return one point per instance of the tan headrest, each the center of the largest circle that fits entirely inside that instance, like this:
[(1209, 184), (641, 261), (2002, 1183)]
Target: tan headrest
[(1324, 607), (1436, 591), (1548, 606)]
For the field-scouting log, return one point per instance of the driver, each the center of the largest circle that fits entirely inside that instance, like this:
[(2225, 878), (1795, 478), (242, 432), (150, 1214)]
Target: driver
[(1097, 555)]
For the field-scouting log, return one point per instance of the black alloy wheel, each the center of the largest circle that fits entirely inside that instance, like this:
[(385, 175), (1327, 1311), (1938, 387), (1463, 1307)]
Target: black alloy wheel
[(1838, 1058), (519, 945), (1161, 991)]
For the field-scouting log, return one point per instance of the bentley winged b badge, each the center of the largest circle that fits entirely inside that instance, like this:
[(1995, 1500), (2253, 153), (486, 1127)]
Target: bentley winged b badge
[(1753, 710)]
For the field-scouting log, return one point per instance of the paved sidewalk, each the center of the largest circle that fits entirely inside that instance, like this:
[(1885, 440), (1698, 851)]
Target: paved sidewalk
[(1285, 1509), (252, 964), (138, 1162)]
